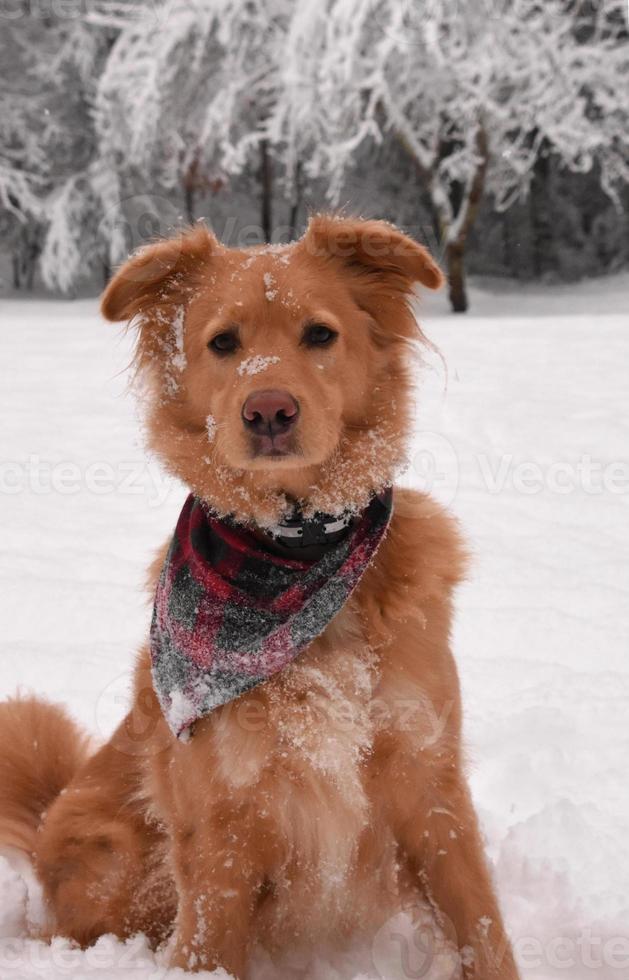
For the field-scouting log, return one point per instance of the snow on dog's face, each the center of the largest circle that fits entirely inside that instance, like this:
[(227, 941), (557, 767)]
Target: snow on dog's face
[(278, 371)]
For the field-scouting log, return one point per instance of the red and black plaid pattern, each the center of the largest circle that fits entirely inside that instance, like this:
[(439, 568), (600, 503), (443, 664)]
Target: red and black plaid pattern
[(229, 614)]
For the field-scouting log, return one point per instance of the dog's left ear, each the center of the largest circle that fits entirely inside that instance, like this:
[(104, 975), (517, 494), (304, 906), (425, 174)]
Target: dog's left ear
[(152, 291), (156, 272), (373, 251)]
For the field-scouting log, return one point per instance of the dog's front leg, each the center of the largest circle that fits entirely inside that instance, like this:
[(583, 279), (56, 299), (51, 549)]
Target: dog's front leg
[(218, 879), (221, 854), (437, 830), (418, 769), (456, 880)]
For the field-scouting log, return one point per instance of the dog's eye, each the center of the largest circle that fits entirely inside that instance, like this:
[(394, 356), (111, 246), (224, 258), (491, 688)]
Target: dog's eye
[(318, 335), (224, 343)]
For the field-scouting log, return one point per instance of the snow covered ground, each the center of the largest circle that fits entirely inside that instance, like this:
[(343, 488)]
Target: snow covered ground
[(528, 444)]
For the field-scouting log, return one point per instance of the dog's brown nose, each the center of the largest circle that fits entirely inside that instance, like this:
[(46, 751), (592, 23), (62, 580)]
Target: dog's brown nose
[(270, 412)]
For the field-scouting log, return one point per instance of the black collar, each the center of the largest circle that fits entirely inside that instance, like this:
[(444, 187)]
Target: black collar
[(301, 532)]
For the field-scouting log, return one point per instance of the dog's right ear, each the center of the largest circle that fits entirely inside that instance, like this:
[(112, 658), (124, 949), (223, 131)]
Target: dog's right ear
[(373, 252), (156, 273)]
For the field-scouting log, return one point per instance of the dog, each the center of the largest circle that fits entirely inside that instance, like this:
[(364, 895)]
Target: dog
[(314, 800)]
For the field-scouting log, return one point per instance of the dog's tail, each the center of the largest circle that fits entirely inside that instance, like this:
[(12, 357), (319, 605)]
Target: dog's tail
[(41, 748)]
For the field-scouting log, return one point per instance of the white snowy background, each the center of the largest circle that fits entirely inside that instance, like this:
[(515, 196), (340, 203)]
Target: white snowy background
[(494, 131), (527, 443)]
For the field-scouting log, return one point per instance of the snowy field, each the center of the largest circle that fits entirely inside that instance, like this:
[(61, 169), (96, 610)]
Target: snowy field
[(528, 443)]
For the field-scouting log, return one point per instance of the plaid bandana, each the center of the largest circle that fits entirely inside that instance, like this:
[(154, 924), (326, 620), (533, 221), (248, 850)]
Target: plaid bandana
[(228, 614)]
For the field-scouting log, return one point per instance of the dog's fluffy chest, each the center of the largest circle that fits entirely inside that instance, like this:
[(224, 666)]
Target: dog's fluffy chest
[(312, 721), (304, 754)]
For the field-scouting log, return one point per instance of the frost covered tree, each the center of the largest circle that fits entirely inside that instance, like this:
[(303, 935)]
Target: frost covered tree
[(186, 92), (47, 144), (23, 160), (472, 92), (115, 120)]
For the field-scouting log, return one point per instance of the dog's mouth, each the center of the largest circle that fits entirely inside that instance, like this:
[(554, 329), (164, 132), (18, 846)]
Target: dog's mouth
[(273, 446)]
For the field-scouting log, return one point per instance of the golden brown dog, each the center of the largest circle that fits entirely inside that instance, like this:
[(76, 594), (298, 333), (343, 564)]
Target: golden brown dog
[(332, 795)]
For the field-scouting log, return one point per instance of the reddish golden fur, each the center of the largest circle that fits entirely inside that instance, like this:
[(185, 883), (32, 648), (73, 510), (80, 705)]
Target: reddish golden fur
[(324, 800)]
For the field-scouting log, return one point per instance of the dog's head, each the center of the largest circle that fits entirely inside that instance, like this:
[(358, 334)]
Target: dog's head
[(281, 371)]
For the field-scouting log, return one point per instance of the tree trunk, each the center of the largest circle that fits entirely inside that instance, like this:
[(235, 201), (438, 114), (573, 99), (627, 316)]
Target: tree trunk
[(33, 252), (190, 184), (541, 215), (24, 258), (30, 272), (455, 258), (295, 203), (266, 183), (463, 206), (455, 250), (189, 202)]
